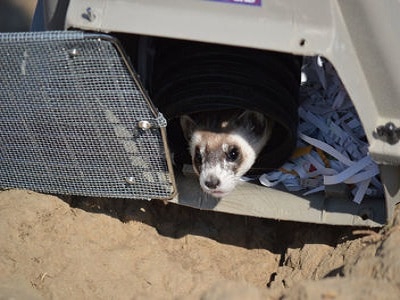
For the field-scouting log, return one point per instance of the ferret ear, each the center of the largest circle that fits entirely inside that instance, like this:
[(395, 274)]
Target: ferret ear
[(253, 120), (188, 125)]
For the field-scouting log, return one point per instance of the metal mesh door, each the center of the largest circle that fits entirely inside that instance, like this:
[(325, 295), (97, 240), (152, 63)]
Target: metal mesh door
[(75, 120)]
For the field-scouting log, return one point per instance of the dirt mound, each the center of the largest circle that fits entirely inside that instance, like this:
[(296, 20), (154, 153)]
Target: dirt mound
[(99, 248)]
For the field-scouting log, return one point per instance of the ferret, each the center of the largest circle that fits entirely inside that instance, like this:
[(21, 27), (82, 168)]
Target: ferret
[(224, 145)]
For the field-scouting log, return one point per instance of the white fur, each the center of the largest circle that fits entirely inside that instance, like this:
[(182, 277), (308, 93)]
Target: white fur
[(227, 177)]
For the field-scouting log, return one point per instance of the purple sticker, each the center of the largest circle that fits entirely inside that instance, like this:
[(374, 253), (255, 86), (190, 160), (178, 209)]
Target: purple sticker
[(246, 2)]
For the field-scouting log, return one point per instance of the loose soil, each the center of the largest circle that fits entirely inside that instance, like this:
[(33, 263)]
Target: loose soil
[(86, 248)]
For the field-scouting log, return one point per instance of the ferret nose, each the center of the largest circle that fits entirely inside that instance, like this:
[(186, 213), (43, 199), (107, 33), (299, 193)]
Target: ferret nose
[(212, 182)]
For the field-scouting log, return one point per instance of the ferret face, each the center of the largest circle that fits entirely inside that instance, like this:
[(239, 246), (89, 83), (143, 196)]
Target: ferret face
[(224, 146), (220, 159)]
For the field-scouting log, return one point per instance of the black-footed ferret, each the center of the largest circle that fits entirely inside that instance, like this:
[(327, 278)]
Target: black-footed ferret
[(224, 145)]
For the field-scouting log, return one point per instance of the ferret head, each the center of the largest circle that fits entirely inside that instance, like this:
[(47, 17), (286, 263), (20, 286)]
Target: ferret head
[(224, 147)]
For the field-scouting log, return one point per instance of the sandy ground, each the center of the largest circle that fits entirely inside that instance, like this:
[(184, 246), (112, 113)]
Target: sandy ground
[(85, 248)]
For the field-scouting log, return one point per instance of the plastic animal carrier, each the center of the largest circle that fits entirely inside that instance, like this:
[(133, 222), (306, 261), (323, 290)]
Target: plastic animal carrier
[(89, 102)]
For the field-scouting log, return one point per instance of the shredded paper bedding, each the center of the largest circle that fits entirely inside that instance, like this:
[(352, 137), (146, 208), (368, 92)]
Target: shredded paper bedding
[(332, 147)]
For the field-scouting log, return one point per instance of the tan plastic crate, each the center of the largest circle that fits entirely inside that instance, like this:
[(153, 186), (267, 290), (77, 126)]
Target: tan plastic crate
[(360, 38)]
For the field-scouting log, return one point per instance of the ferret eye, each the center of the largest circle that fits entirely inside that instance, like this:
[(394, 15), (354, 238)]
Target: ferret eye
[(197, 157), (232, 154)]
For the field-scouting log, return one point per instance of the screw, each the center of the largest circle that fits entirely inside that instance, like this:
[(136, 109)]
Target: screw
[(130, 180), (144, 125), (389, 132), (73, 52), (89, 15)]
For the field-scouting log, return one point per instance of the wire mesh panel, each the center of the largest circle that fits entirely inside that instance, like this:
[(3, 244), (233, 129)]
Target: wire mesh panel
[(75, 120)]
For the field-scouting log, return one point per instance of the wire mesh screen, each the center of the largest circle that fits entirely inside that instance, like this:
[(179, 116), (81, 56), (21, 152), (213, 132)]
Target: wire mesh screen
[(74, 119)]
